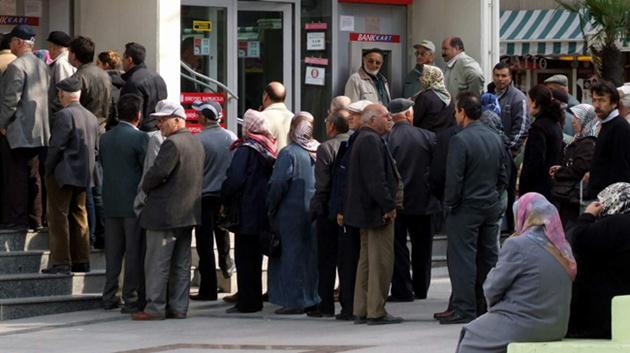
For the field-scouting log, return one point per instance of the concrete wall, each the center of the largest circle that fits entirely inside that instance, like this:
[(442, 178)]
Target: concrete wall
[(152, 23), (476, 22)]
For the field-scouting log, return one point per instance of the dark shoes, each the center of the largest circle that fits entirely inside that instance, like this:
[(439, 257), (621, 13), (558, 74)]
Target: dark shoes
[(317, 313), (81, 267), (289, 311), (344, 317), (231, 298), (359, 320), (202, 297), (57, 269), (146, 316), (385, 320), (235, 309), (175, 315), (443, 314), (393, 299), (111, 305), (129, 309), (455, 318)]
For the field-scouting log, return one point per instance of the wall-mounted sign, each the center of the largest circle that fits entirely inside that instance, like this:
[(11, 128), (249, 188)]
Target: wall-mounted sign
[(346, 23), (316, 26), (315, 76), (316, 41), (316, 61), (187, 98), (374, 37), (202, 26), (19, 20)]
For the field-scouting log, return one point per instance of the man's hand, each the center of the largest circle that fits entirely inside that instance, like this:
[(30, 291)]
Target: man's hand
[(389, 216), (3, 131), (340, 219), (586, 177), (594, 208), (554, 169)]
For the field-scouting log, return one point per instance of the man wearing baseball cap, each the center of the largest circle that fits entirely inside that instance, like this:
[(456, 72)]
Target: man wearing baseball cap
[(216, 142), (60, 68), (425, 51), (173, 207), (24, 122)]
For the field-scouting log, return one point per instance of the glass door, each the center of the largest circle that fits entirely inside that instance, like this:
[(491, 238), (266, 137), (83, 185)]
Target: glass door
[(265, 51)]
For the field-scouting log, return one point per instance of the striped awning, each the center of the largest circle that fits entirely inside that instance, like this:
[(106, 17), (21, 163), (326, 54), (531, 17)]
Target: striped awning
[(541, 32)]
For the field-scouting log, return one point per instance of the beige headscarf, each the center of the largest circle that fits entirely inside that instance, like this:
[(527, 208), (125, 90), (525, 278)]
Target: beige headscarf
[(433, 79), (301, 132)]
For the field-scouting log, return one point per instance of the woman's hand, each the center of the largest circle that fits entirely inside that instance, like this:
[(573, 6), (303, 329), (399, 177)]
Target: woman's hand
[(594, 208)]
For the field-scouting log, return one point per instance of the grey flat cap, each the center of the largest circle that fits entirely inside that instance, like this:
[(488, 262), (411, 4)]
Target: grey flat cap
[(559, 79), (399, 105), (425, 44)]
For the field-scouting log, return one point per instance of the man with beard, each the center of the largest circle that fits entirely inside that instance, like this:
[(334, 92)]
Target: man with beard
[(368, 83)]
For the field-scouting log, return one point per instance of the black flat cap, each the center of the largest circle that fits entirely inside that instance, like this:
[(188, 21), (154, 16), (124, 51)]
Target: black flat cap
[(399, 105), (60, 38), (71, 84), (23, 32)]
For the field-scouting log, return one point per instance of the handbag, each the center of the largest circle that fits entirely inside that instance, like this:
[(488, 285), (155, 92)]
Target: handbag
[(228, 218), (270, 243)]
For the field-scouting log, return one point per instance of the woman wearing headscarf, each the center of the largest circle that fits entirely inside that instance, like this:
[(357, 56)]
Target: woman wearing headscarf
[(602, 247), (433, 109), (543, 147), (293, 275), (576, 161), (247, 179), (529, 290)]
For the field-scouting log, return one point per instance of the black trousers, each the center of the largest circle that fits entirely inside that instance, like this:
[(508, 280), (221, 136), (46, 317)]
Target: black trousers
[(24, 195), (404, 285), (328, 236), (204, 236), (248, 257), (347, 261)]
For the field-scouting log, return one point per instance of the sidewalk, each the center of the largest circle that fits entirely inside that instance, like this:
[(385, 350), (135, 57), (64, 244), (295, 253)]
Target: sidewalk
[(209, 329)]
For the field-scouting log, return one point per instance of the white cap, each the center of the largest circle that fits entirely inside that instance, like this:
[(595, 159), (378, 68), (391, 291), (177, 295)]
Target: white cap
[(168, 108), (358, 106)]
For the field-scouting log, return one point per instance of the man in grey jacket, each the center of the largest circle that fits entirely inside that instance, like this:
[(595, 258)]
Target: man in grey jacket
[(475, 176), (462, 73), (24, 122), (69, 169), (173, 207)]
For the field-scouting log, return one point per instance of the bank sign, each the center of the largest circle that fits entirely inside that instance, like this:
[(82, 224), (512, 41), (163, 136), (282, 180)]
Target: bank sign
[(374, 37)]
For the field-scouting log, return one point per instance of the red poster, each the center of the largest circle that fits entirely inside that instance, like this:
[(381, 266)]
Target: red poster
[(19, 20), (187, 99), (374, 37)]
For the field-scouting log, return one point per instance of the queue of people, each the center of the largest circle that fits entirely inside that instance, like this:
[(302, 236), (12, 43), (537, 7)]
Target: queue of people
[(118, 160)]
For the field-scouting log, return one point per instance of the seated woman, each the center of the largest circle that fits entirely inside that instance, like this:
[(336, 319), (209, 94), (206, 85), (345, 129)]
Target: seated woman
[(293, 275), (602, 246), (529, 290)]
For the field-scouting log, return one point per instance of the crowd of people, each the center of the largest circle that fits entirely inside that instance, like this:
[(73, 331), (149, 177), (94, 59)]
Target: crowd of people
[(119, 165)]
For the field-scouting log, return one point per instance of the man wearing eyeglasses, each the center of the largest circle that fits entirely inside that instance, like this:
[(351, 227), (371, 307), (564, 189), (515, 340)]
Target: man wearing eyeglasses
[(24, 123), (425, 51), (368, 83)]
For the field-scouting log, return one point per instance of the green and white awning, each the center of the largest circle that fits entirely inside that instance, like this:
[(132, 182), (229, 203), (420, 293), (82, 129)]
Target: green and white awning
[(541, 32)]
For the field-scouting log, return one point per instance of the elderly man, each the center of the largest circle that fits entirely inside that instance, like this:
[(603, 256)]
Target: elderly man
[(371, 206), (624, 101), (561, 83), (412, 148), (276, 112), (216, 142), (141, 81), (173, 207), (69, 169), (24, 121), (368, 82), (122, 152), (475, 176), (328, 231), (463, 73), (60, 68), (425, 51)]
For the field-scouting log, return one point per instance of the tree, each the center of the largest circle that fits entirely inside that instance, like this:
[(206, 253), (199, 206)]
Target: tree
[(611, 21)]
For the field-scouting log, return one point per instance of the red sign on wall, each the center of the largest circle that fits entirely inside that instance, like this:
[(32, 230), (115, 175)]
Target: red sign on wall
[(187, 99), (19, 20), (374, 37)]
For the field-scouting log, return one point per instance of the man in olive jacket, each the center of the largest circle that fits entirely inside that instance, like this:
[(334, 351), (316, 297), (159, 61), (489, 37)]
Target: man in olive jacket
[(173, 206), (371, 206), (462, 72)]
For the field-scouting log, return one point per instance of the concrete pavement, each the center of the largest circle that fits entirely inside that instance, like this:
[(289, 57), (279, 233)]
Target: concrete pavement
[(209, 329)]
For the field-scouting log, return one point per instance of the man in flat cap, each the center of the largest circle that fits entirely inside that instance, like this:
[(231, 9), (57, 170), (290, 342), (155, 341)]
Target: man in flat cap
[(173, 207), (69, 168), (425, 51), (60, 68), (368, 82), (24, 122), (216, 142), (561, 83), (412, 148)]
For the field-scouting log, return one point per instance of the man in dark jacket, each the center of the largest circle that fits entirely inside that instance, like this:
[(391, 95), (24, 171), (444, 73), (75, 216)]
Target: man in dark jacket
[(122, 151), (412, 148), (611, 160), (475, 176), (143, 82), (173, 206), (69, 168), (328, 231), (371, 206)]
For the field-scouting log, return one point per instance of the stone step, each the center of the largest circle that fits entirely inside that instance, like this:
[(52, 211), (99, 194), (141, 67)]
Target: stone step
[(33, 261), (17, 308), (40, 285), (12, 240)]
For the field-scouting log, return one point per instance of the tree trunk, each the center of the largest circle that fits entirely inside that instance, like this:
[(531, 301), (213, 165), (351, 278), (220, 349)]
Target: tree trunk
[(612, 68)]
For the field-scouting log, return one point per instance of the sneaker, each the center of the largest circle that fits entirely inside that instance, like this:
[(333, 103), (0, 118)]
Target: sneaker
[(385, 320)]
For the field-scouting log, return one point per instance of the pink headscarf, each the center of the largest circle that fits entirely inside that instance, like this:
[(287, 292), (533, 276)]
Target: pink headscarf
[(255, 127), (301, 133), (533, 209)]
